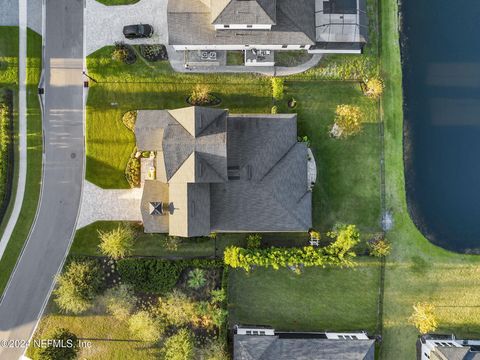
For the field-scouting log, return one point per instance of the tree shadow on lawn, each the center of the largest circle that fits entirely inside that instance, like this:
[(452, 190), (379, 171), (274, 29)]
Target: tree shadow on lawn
[(104, 175)]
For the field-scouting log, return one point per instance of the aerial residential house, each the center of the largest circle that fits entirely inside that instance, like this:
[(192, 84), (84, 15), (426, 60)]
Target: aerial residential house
[(320, 26), (447, 347), (219, 172), (259, 343)]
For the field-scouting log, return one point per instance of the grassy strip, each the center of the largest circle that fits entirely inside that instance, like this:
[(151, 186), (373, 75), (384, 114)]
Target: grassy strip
[(34, 165), (86, 242), (318, 299), (417, 270)]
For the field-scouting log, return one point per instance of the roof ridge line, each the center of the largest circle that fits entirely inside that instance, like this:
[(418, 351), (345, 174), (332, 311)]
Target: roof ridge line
[(210, 166), (278, 161)]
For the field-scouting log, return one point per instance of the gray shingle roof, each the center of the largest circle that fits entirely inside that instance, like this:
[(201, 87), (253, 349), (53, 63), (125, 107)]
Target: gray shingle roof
[(274, 348), (260, 186), (194, 133), (189, 23), (244, 12), (454, 353), (154, 191)]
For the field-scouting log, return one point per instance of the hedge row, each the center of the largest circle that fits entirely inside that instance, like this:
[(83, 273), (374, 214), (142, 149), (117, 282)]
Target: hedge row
[(156, 275), (6, 151)]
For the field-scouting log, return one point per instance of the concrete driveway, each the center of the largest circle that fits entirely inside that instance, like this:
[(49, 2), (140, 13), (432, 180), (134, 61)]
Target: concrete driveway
[(104, 24)]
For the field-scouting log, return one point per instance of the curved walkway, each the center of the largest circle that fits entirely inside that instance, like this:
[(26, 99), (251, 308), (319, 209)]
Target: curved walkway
[(177, 61)]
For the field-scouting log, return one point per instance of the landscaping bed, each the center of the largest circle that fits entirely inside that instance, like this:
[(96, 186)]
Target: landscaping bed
[(177, 306), (6, 150)]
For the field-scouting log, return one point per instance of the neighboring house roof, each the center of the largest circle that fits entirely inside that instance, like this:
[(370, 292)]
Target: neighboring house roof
[(190, 23), (248, 347), (243, 11), (261, 185), (454, 353)]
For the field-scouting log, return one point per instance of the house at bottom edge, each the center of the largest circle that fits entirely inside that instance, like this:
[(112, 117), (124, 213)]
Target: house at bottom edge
[(219, 172)]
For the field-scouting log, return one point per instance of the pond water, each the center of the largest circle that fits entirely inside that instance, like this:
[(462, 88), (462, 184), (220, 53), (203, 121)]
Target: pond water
[(441, 69)]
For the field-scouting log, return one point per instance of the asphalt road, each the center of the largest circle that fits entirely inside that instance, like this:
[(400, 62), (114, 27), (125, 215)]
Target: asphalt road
[(43, 255)]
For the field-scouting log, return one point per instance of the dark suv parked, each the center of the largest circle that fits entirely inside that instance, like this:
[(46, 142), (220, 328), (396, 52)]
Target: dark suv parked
[(138, 31)]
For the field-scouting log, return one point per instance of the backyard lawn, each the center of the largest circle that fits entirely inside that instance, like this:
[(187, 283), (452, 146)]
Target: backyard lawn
[(318, 299)]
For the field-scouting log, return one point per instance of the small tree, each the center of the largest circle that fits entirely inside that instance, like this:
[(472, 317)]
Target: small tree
[(171, 243), (215, 350), (120, 53), (423, 318), (77, 286), (116, 243), (379, 247), (348, 121), (68, 349), (201, 95), (277, 88), (196, 278), (274, 110), (176, 309), (254, 241), (119, 302), (179, 346), (373, 88), (145, 327)]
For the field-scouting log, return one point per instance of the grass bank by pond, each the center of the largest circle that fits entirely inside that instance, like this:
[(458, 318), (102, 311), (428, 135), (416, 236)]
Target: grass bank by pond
[(416, 270)]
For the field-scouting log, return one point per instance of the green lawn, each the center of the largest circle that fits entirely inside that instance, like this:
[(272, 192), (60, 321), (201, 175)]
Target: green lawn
[(316, 300), (417, 270), (8, 55), (235, 57), (348, 176), (291, 58), (86, 242), (34, 164)]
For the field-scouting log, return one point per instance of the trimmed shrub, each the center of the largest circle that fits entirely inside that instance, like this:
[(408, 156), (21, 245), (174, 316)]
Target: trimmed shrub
[(123, 53), (77, 286), (277, 88), (150, 275), (179, 346), (201, 95), (196, 278), (145, 327), (129, 119), (274, 110), (116, 243), (68, 350), (254, 241), (154, 52)]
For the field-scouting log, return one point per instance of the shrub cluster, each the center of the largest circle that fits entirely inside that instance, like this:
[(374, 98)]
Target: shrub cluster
[(132, 170), (373, 87), (123, 53), (129, 119), (338, 253), (254, 241), (201, 95), (348, 121), (6, 154), (154, 52), (68, 350)]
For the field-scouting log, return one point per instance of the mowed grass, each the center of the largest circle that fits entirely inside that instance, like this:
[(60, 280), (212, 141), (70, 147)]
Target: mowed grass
[(8, 55), (34, 163), (110, 338), (86, 242), (348, 171), (110, 143), (417, 271), (319, 299)]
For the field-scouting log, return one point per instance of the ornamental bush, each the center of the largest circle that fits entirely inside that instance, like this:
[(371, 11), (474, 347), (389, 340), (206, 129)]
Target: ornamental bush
[(179, 346), (116, 243), (277, 88), (373, 88), (176, 309), (77, 286), (424, 318), (339, 253), (348, 121), (132, 171), (196, 278), (119, 301), (150, 275), (254, 241), (379, 247), (144, 326)]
